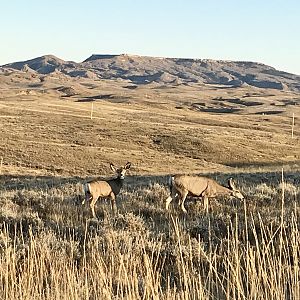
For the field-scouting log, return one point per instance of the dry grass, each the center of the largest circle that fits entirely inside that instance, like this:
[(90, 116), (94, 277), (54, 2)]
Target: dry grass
[(51, 249), (45, 133)]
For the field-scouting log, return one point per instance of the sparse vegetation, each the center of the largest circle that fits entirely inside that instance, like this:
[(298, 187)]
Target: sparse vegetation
[(50, 249)]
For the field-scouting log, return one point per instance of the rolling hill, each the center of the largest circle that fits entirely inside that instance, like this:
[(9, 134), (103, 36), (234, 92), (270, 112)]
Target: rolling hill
[(166, 71)]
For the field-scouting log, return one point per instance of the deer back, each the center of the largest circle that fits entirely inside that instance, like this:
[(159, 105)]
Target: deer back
[(193, 184)]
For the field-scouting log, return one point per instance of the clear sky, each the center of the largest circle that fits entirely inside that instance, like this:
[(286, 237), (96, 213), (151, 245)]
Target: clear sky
[(266, 31)]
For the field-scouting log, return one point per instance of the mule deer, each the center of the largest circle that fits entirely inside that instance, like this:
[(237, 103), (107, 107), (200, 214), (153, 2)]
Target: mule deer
[(96, 189), (199, 186)]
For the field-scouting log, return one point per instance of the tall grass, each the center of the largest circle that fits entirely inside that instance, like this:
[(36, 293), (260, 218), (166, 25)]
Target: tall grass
[(51, 249)]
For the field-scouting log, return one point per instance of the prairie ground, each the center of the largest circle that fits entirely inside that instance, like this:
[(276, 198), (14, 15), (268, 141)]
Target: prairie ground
[(47, 129), (50, 248)]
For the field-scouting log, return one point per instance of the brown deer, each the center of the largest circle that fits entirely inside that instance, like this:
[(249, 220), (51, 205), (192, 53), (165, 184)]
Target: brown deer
[(182, 185), (110, 188)]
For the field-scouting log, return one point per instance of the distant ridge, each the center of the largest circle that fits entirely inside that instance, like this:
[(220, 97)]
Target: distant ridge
[(44, 64), (160, 70)]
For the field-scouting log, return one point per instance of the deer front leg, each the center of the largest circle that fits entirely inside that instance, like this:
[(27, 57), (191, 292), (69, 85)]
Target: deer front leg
[(205, 201), (179, 199), (113, 202)]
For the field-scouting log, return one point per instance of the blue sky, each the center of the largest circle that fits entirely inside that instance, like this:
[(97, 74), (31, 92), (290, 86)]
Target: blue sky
[(262, 31)]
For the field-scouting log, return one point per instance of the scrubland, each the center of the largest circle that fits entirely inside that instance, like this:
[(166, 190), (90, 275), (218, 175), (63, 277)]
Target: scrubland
[(51, 248)]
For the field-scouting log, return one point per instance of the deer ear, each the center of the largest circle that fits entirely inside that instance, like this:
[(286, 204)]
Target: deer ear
[(231, 184), (127, 166), (112, 167)]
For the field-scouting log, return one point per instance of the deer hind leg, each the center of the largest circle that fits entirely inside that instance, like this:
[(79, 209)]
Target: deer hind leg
[(173, 194), (92, 206), (168, 201), (87, 194), (183, 197), (87, 197)]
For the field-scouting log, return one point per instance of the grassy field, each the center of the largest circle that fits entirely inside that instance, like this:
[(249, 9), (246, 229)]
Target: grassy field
[(51, 248), (161, 130)]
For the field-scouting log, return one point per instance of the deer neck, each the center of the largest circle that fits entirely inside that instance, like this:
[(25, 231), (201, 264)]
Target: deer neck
[(119, 181), (224, 190)]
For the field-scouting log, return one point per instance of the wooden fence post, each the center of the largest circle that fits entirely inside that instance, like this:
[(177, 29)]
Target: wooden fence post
[(293, 124), (92, 109)]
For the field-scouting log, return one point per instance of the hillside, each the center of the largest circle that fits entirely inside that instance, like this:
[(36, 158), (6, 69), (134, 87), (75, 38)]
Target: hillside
[(167, 71)]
